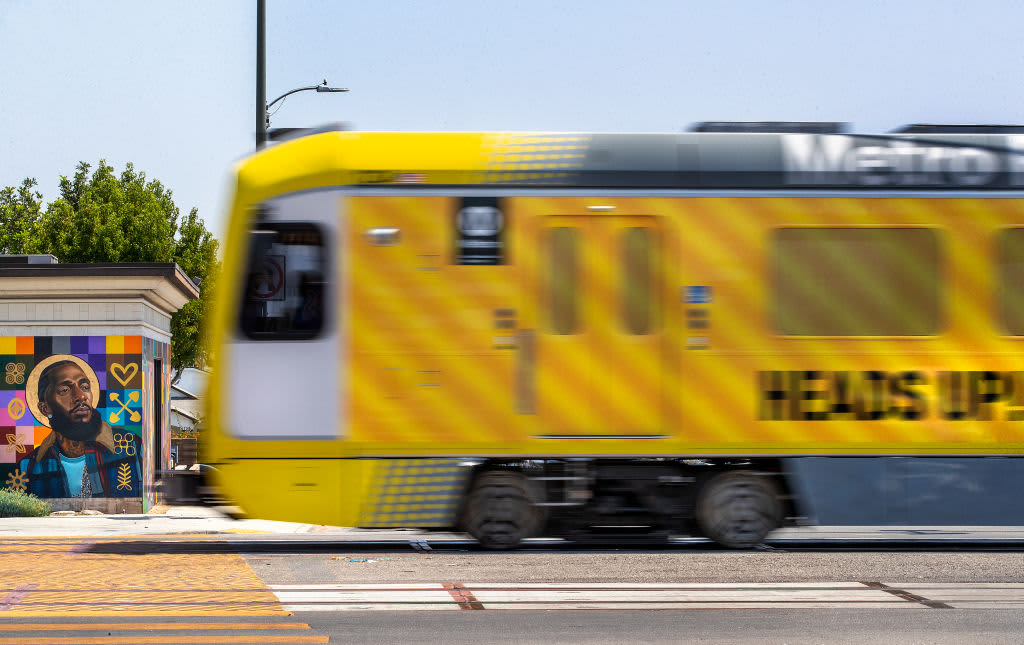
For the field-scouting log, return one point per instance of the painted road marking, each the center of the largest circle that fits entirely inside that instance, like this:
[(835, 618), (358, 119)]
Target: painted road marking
[(134, 640), (116, 601), (150, 632), (356, 597), (98, 627), (74, 577), (459, 596)]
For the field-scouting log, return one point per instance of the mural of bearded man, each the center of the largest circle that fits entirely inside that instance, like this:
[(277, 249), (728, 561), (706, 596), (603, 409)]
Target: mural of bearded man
[(79, 458)]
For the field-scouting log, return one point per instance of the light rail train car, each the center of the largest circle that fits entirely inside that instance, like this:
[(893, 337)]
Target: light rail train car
[(586, 335)]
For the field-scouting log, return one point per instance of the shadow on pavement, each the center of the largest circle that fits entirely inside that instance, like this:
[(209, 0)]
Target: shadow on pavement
[(470, 547)]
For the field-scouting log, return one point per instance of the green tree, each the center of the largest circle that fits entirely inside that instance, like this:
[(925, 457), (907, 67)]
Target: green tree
[(19, 212), (105, 217), (195, 251)]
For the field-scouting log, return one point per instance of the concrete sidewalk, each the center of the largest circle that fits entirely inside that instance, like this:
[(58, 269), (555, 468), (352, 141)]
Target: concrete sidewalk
[(176, 520), (196, 520)]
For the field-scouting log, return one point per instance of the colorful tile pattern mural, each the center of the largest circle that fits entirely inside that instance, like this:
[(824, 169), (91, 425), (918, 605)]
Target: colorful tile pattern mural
[(72, 415)]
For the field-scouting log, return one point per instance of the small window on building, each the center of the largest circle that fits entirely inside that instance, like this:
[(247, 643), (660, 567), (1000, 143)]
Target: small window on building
[(562, 292), (638, 295), (284, 292), (856, 281), (1010, 286)]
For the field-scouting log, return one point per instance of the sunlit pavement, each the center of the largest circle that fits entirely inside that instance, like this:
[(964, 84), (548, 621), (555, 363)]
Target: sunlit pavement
[(120, 578), (200, 521), (71, 577), (138, 576), (73, 590), (185, 519)]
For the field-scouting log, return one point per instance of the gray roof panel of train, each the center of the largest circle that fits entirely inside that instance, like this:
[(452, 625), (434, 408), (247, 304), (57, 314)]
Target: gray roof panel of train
[(825, 161)]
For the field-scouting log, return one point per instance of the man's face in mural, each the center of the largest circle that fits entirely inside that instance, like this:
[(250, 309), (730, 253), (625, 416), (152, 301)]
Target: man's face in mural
[(66, 397)]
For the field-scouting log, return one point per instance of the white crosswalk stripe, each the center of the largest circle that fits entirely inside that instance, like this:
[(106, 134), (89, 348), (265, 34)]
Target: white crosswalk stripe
[(795, 595)]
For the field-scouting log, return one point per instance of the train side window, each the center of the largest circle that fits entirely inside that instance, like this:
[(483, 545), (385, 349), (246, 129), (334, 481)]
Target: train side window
[(284, 291), (856, 281), (562, 288), (1010, 296), (638, 288)]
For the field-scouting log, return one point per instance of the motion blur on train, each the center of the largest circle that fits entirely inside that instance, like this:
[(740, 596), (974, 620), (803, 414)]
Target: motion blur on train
[(593, 336)]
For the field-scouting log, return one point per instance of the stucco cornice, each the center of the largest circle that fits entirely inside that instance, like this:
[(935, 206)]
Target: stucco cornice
[(163, 285)]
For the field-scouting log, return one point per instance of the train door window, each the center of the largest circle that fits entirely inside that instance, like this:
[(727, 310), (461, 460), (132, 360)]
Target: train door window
[(856, 281), (284, 294), (1010, 295), (563, 280), (638, 291)]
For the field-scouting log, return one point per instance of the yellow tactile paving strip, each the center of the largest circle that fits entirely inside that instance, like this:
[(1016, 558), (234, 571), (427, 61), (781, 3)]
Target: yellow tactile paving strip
[(95, 577), (136, 640), (99, 627)]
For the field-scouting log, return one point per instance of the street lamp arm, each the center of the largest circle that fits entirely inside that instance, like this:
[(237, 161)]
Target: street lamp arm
[(298, 89), (319, 88), (261, 133)]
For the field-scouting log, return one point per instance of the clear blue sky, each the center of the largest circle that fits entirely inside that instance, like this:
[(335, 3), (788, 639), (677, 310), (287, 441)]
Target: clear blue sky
[(170, 85)]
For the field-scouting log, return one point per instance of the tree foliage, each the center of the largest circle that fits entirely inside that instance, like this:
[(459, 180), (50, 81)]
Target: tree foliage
[(195, 251), (19, 214), (105, 217)]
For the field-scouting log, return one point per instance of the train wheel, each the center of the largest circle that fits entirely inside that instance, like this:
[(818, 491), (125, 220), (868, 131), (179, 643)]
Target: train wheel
[(738, 509), (498, 511)]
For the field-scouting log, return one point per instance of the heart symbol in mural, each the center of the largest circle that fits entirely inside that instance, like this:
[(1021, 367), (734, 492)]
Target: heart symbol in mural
[(124, 373)]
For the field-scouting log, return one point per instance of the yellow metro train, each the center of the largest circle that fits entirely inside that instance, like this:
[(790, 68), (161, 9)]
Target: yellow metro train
[(592, 334)]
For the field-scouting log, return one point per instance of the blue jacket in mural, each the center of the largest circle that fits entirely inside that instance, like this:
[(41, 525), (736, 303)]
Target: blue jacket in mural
[(112, 467)]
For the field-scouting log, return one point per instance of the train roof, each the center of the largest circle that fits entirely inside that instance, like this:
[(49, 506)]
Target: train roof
[(920, 157)]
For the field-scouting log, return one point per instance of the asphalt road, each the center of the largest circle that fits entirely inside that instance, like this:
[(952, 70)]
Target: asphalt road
[(771, 627), (962, 570), (737, 627), (948, 585)]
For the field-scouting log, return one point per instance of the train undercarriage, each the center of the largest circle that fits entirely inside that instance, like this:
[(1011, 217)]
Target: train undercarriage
[(736, 503)]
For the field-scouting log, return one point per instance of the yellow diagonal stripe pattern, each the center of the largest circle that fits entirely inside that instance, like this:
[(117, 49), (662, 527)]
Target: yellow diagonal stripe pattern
[(428, 374)]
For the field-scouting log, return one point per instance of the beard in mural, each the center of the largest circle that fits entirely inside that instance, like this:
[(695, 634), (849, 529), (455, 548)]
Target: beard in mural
[(81, 457), (65, 397)]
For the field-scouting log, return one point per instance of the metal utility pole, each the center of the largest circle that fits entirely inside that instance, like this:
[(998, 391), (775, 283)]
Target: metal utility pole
[(262, 107), (261, 73)]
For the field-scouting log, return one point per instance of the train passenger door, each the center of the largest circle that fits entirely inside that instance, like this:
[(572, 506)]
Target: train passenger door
[(599, 343)]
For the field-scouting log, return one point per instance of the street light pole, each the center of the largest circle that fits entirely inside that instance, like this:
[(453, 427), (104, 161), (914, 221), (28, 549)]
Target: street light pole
[(262, 107), (261, 73)]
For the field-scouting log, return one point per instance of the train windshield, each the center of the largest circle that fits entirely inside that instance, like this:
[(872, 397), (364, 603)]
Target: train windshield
[(284, 290)]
